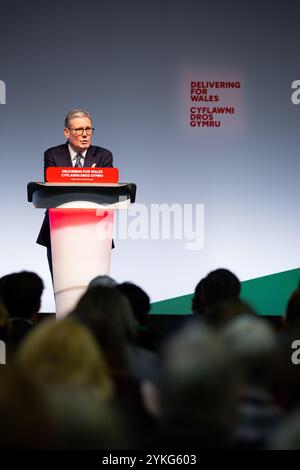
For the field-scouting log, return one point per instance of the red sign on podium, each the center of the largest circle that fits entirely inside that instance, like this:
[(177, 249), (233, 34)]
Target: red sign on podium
[(58, 174)]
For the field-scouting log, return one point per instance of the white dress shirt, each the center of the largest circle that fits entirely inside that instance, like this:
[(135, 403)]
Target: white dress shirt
[(74, 155)]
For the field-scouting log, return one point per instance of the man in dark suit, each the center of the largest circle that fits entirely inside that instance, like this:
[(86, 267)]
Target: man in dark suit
[(76, 152)]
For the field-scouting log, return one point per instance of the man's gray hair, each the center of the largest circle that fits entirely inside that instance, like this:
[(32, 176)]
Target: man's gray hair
[(74, 113)]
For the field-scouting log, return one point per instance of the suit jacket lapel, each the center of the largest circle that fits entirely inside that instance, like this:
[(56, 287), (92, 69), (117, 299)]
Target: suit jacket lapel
[(66, 157), (89, 158)]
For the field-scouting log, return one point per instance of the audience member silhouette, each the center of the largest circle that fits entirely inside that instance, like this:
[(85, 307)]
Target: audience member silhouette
[(218, 286)]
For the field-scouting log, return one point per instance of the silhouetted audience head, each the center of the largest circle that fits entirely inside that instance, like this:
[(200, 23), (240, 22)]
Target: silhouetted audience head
[(138, 299), (102, 281), (21, 293), (198, 380), (253, 343), (64, 353), (218, 286), (108, 315)]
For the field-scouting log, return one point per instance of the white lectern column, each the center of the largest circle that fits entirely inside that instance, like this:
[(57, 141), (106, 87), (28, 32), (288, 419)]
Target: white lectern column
[(81, 242), (81, 229)]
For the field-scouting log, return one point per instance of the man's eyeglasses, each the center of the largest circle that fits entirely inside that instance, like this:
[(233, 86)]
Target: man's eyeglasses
[(81, 130)]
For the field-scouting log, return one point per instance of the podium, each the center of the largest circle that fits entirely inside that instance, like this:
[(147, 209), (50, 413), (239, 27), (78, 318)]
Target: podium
[(81, 229)]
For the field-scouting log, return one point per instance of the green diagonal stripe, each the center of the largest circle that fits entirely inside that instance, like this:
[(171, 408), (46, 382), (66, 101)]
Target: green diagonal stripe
[(268, 295)]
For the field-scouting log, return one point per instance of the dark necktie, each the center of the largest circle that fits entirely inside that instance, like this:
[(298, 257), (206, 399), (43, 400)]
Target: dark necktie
[(78, 162)]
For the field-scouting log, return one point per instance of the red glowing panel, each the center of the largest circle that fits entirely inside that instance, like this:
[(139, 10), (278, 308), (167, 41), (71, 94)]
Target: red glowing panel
[(61, 218), (58, 174)]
